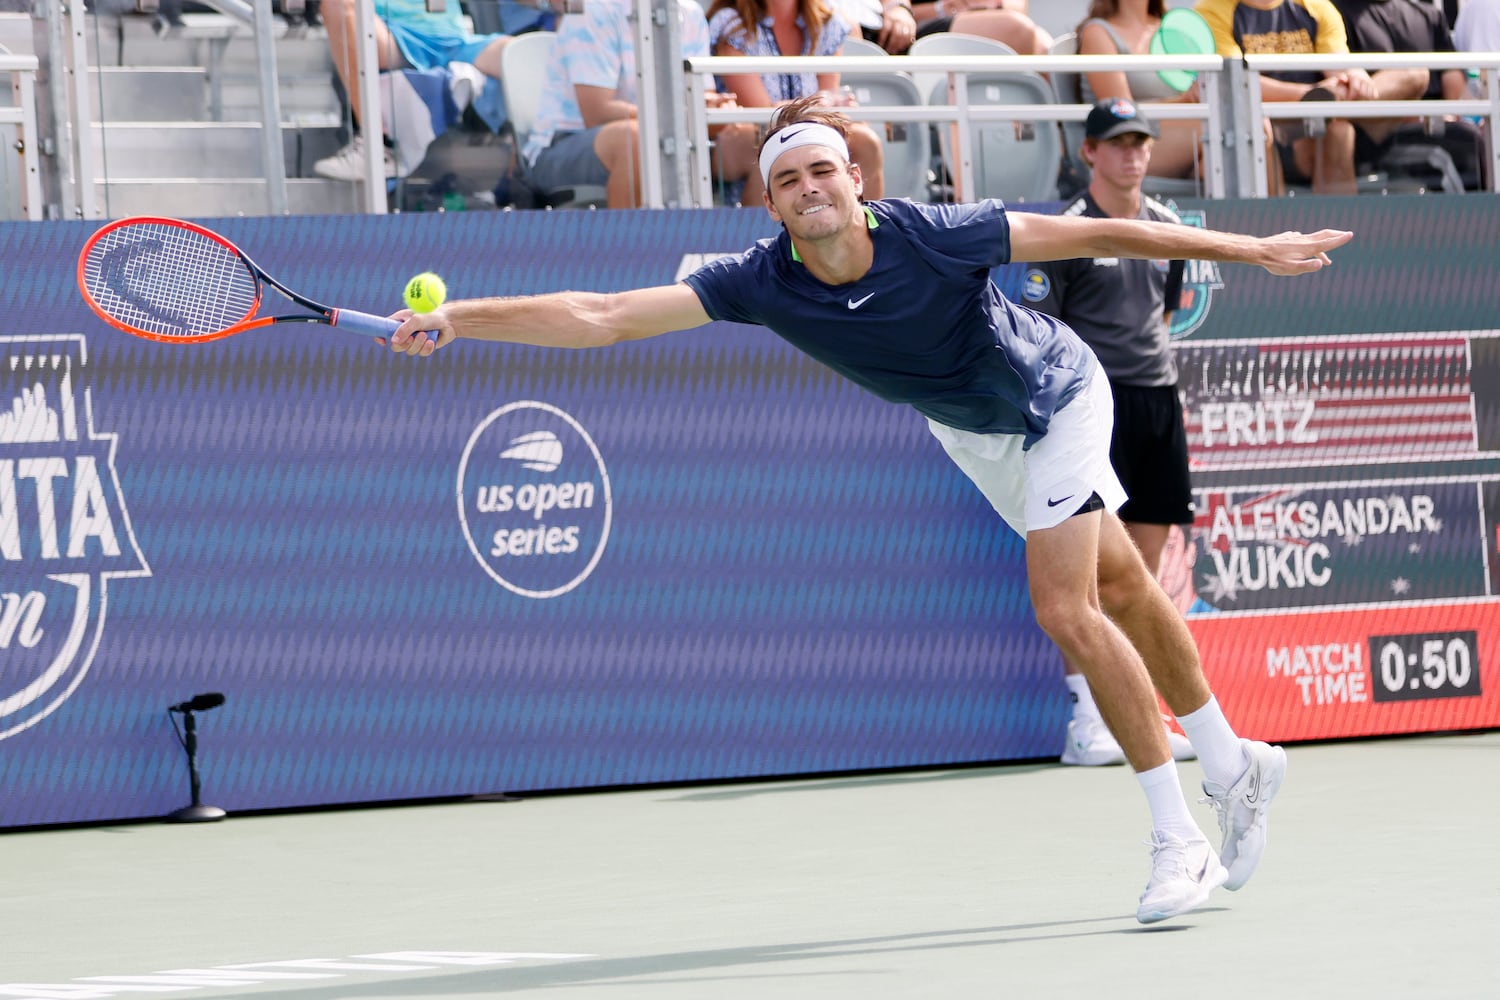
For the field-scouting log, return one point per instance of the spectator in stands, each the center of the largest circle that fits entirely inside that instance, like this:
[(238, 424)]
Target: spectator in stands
[(534, 15), (1283, 27), (1477, 28), (309, 13), (586, 131), (1410, 26), (407, 36), (765, 28), (1125, 27), (895, 24), (1004, 21)]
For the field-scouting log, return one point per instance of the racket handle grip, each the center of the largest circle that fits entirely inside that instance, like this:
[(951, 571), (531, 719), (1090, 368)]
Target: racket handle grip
[(366, 324)]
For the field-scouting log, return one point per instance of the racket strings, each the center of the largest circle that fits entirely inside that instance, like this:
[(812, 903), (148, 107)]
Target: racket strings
[(169, 280)]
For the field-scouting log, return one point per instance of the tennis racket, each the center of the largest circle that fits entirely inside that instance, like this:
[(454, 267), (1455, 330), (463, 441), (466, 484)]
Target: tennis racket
[(176, 282)]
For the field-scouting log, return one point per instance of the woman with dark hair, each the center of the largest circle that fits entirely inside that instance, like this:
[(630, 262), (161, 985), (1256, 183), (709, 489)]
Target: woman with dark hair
[(796, 28), (1125, 27)]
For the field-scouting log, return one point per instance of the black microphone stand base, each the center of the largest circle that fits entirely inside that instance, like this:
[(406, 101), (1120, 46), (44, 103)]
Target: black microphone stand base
[(196, 814)]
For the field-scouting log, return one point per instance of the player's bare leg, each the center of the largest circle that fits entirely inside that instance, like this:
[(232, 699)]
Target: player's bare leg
[(1063, 567), (1242, 775), (1089, 742), (1130, 595)]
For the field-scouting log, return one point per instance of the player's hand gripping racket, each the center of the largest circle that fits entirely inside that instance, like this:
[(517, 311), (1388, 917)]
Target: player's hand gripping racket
[(173, 281)]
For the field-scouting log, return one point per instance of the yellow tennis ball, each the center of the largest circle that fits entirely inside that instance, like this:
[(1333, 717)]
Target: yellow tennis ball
[(425, 292)]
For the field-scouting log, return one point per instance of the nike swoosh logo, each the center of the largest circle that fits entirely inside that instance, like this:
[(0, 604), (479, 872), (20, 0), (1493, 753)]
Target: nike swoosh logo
[(1054, 503), (856, 303), (788, 135), (1253, 790)]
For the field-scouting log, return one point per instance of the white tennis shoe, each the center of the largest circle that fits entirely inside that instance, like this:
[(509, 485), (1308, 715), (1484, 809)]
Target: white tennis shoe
[(1242, 809), (1091, 745), (1184, 873), (348, 164)]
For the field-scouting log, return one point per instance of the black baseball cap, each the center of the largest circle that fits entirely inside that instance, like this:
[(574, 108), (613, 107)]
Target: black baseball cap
[(1116, 116)]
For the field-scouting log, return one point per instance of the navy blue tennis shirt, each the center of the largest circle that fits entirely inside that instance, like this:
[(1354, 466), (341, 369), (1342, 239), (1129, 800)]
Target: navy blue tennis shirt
[(925, 326)]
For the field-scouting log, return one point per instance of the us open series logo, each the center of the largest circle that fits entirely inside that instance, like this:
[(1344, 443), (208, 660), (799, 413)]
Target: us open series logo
[(533, 499), (64, 530)]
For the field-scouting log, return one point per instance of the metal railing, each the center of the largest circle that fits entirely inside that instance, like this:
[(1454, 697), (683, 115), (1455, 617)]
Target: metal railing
[(675, 122), (1210, 109), (22, 72), (1487, 108), (1234, 156)]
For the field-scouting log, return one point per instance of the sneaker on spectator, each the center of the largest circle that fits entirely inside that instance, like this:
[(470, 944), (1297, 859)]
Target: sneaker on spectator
[(348, 164), (1091, 745), (1242, 809), (1183, 875)]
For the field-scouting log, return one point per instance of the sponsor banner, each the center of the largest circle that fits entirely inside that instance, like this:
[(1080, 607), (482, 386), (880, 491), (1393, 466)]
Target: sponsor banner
[(503, 568), (701, 556)]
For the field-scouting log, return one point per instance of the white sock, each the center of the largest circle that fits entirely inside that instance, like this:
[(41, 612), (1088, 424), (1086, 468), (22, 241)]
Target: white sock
[(1218, 747), (1083, 698), (1169, 810)]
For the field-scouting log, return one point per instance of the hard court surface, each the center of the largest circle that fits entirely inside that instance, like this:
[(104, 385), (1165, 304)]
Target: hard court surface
[(1382, 879)]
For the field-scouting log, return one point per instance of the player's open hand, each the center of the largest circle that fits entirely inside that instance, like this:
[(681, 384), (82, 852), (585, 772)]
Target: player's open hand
[(1301, 253), (421, 333)]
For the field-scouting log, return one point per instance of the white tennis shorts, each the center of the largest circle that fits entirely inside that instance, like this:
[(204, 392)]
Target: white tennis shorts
[(1044, 486)]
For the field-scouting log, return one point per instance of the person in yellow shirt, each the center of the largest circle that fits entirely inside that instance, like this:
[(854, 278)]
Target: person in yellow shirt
[(1287, 27)]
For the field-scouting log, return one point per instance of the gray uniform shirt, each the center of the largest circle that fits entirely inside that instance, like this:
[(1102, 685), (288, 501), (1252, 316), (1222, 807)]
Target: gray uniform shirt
[(1115, 304)]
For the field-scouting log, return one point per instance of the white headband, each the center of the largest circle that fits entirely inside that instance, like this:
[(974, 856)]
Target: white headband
[(802, 134)]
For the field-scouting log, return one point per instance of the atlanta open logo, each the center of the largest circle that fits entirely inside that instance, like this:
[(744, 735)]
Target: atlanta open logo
[(64, 530), (1200, 279), (533, 499)]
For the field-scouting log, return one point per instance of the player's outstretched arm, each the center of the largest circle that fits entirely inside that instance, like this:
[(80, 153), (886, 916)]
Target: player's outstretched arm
[(563, 319), (1051, 237)]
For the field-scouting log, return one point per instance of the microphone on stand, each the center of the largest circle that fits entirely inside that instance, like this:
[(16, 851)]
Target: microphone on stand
[(198, 703), (196, 812)]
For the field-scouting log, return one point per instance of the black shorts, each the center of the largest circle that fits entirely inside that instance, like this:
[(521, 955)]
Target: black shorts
[(1150, 455)]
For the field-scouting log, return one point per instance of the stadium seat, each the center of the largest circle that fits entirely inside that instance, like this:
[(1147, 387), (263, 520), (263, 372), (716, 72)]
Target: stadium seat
[(908, 148), (523, 66), (1015, 161)]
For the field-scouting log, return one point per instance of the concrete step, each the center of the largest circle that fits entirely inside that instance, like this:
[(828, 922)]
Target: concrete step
[(185, 94), (207, 39), (146, 150), (194, 197), (300, 99), (150, 93)]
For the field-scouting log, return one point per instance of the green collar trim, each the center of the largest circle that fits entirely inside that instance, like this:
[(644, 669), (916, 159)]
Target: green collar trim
[(870, 223)]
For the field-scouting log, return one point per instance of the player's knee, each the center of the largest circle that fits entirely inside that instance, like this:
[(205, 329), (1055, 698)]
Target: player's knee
[(1066, 620), (1119, 591)]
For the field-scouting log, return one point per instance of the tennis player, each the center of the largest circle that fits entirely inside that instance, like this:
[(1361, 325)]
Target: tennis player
[(897, 297)]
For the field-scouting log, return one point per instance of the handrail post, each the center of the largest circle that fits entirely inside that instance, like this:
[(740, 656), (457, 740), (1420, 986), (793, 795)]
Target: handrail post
[(659, 103), (700, 191), (72, 118), (273, 156), (1492, 91), (367, 80)]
